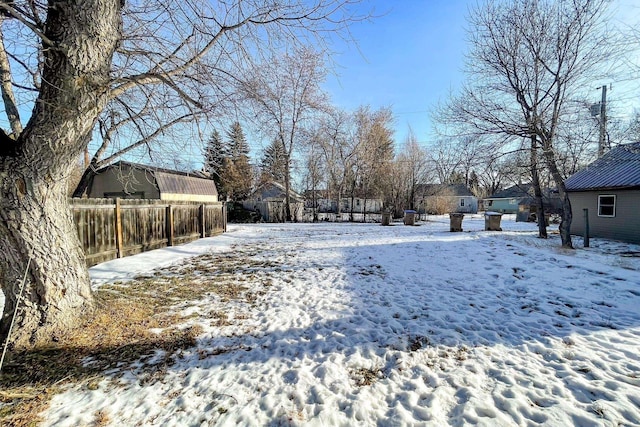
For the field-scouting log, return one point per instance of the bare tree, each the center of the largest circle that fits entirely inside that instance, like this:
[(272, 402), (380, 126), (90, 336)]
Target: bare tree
[(97, 67), (332, 138), (413, 160), (372, 147), (284, 92), (526, 59)]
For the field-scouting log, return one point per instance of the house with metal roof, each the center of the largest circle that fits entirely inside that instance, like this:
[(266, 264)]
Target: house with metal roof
[(520, 200), (135, 181), (609, 189)]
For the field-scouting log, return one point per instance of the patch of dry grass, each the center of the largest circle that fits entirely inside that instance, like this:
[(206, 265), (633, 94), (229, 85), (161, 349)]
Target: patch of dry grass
[(120, 332)]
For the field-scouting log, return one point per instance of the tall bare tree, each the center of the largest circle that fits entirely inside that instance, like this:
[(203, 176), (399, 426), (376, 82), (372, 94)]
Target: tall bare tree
[(332, 138), (526, 59), (414, 161), (284, 92), (98, 67)]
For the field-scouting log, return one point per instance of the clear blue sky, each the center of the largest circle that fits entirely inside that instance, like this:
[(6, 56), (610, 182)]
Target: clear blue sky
[(412, 56), (408, 58)]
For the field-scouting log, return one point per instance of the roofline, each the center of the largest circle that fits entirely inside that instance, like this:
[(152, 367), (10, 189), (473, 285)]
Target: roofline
[(584, 190), (149, 168)]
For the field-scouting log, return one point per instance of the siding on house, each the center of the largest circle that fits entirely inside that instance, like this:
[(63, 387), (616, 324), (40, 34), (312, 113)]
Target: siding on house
[(624, 226), (617, 173)]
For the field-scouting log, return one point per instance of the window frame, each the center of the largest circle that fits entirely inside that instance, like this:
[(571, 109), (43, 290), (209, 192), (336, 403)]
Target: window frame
[(607, 205)]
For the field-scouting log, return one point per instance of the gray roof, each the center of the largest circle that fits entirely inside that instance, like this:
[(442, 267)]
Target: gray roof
[(514, 192), (459, 190), (180, 184), (171, 181), (619, 168)]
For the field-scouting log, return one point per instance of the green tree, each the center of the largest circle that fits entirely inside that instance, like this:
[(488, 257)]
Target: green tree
[(274, 163), (215, 153), (237, 175)]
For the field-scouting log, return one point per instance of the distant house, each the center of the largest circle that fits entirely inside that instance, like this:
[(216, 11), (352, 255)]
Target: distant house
[(360, 205), (269, 199), (520, 199), (135, 181), (445, 198), (610, 189)]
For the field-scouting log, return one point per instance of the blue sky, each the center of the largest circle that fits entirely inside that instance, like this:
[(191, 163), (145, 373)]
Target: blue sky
[(408, 58), (412, 56)]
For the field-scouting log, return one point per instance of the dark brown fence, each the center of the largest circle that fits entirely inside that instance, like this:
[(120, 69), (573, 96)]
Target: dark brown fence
[(110, 228)]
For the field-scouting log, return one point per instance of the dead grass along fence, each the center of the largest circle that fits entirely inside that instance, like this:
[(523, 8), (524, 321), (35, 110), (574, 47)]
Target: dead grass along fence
[(115, 228)]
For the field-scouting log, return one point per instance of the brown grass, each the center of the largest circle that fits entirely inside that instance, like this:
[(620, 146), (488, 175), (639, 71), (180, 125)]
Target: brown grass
[(120, 332)]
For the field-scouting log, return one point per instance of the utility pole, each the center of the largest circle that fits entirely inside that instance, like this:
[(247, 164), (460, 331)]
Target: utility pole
[(603, 121)]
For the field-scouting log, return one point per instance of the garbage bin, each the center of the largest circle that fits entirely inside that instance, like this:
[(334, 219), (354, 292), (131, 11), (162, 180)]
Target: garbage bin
[(386, 218), (409, 217), (492, 221), (455, 221)]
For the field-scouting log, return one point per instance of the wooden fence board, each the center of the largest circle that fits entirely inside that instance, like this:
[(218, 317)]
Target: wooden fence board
[(109, 229)]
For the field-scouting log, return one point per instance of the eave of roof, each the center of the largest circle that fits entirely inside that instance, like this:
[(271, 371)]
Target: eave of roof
[(618, 169)]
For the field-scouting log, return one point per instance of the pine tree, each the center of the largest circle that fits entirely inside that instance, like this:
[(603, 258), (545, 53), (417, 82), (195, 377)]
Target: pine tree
[(274, 164), (237, 176), (215, 153), (237, 141)]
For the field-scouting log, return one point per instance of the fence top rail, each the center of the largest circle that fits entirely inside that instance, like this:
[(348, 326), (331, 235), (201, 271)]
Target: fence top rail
[(76, 202)]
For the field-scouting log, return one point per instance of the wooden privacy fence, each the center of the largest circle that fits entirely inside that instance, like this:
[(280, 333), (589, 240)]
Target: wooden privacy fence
[(110, 228)]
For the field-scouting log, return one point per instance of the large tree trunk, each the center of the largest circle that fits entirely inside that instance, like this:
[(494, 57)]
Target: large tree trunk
[(535, 179), (37, 229), (567, 215), (35, 221)]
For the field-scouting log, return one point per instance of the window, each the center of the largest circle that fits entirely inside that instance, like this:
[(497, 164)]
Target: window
[(461, 203), (607, 206)]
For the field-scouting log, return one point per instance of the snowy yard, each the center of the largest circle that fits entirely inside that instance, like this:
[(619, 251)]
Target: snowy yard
[(358, 324)]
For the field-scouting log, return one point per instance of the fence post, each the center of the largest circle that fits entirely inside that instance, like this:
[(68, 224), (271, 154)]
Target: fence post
[(224, 217), (169, 225), (586, 227), (118, 217), (203, 230)]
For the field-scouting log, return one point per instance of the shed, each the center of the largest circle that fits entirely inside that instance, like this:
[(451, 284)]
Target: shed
[(135, 181), (610, 189)]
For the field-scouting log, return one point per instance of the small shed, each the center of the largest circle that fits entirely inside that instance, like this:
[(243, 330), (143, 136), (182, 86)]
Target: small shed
[(610, 189), (127, 180)]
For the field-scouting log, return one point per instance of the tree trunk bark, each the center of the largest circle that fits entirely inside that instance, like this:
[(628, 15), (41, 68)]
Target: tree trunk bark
[(36, 225), (35, 220), (535, 178), (287, 186), (567, 215)]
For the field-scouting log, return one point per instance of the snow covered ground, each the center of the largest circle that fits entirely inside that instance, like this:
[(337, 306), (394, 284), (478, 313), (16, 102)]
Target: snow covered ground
[(358, 324)]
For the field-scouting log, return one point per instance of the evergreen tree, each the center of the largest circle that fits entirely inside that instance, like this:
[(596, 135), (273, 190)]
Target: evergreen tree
[(214, 155), (274, 162), (237, 141), (236, 172)]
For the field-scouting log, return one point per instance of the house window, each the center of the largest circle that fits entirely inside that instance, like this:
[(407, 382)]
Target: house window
[(607, 206), (461, 203)]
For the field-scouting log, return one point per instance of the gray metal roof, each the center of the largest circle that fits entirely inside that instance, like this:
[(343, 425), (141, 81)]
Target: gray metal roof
[(171, 181), (619, 168), (514, 192), (180, 184)]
